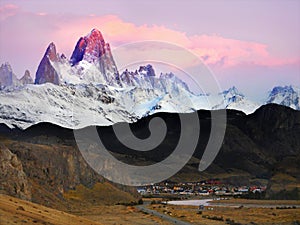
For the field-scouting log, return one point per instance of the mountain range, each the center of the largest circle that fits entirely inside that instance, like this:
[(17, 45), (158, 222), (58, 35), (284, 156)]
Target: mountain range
[(88, 89), (41, 162)]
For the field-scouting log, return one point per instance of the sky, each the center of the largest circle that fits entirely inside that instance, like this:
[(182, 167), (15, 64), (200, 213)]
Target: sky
[(252, 44)]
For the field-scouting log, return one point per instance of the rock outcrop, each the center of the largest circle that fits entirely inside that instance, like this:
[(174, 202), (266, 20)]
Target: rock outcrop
[(147, 70), (13, 180), (51, 165), (26, 79), (7, 77)]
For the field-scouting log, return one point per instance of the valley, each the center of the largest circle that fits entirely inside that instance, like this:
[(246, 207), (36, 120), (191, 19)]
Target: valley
[(51, 175)]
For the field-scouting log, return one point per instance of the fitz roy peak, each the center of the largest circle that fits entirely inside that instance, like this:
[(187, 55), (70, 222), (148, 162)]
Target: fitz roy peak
[(88, 89), (93, 49), (91, 61)]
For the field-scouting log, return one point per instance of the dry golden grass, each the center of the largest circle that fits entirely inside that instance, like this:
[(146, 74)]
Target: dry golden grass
[(119, 214), (93, 205), (284, 182), (98, 194), (17, 211), (261, 216)]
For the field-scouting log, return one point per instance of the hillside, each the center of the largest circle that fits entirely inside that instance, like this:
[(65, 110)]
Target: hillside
[(260, 148), (17, 211), (45, 173)]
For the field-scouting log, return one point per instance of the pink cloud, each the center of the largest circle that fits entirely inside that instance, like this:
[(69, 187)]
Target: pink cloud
[(7, 11), (41, 14), (39, 29), (212, 49)]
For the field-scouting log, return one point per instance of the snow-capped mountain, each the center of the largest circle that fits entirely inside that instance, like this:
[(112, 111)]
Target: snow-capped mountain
[(88, 90), (234, 99), (287, 95), (91, 62), (77, 106)]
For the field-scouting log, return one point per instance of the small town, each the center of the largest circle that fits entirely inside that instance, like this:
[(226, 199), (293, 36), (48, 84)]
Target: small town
[(203, 188)]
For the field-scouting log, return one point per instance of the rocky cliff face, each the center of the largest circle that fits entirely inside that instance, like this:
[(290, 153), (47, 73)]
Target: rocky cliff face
[(93, 49), (42, 167), (13, 180), (46, 72), (55, 169), (89, 48)]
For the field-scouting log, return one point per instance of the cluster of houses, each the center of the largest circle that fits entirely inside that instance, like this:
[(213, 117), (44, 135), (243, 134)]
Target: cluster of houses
[(202, 188)]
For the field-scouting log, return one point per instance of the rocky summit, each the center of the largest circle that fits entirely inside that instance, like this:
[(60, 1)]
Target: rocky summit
[(46, 72), (286, 95), (93, 49), (26, 79), (7, 77), (91, 61)]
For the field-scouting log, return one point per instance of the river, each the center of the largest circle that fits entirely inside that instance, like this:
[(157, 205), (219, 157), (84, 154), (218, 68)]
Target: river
[(198, 202)]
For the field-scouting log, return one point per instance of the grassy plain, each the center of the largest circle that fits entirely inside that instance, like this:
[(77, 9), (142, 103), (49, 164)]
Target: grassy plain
[(235, 215)]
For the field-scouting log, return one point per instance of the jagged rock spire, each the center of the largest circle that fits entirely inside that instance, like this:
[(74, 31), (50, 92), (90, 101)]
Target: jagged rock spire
[(26, 79), (46, 72), (7, 77)]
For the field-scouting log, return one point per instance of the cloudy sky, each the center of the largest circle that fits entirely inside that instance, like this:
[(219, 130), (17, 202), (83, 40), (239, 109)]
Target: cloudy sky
[(251, 44)]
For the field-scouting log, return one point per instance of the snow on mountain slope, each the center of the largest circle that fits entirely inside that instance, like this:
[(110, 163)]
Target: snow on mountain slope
[(287, 95), (77, 106), (68, 106), (233, 99), (81, 105), (87, 90)]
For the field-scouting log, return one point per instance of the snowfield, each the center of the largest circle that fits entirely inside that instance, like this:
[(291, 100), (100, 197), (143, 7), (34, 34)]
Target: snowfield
[(79, 105)]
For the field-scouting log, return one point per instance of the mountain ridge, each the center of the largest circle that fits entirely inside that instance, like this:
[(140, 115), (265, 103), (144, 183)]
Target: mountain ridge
[(254, 149), (88, 90)]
